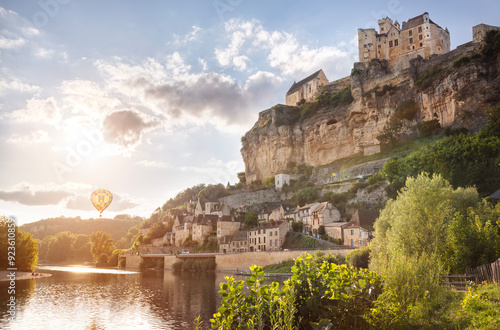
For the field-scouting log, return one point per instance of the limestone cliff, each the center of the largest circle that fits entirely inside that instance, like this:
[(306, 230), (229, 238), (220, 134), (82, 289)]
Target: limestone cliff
[(455, 88)]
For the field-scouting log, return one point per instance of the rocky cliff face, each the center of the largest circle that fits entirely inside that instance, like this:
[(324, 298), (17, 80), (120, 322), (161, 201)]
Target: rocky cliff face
[(447, 88)]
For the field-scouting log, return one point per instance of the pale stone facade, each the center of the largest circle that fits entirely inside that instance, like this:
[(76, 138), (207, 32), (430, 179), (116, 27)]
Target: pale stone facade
[(236, 243), (304, 215), (420, 36), (280, 180), (335, 230), (269, 236), (357, 232), (306, 89), (227, 227), (479, 31), (323, 214)]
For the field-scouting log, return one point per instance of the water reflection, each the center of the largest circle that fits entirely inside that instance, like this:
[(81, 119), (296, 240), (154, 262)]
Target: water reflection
[(104, 300)]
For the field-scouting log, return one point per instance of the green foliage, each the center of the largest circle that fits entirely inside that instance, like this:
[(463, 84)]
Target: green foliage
[(283, 267), (321, 230), (268, 182), (391, 132), (242, 178), (428, 127), (471, 242), (359, 258), (492, 45), (157, 230), (455, 131), (295, 240), (102, 260), (209, 245), (183, 197), (481, 306), (251, 220), (151, 263), (305, 196), (463, 160), (492, 128), (308, 110), (297, 226), (24, 250), (407, 110), (336, 99), (425, 80), (316, 295), (286, 115), (214, 191), (101, 243), (113, 258)]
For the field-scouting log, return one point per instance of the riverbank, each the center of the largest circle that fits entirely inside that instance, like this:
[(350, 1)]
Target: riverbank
[(22, 275)]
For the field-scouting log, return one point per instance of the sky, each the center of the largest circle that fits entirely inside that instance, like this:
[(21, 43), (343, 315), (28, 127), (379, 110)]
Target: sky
[(147, 98)]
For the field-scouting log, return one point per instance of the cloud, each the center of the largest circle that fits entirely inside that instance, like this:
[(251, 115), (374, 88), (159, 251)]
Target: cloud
[(82, 203), (125, 128), (16, 85), (7, 43), (27, 196), (153, 163), (249, 40), (189, 37), (35, 137), (44, 53), (39, 111)]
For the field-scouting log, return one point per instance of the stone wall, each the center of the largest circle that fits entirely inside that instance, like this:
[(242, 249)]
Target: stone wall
[(243, 261), (168, 261), (132, 261), (252, 198), (323, 175)]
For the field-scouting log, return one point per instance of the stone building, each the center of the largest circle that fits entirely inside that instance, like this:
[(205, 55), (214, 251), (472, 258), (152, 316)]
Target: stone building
[(269, 236), (306, 89), (358, 231), (227, 227), (323, 214), (280, 180), (419, 36), (234, 243)]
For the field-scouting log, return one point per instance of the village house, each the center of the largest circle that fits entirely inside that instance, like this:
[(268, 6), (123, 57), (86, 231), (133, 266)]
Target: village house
[(227, 227), (234, 243), (304, 216), (211, 206), (419, 36), (323, 214), (280, 213), (265, 212), (203, 226), (306, 89), (336, 230), (182, 228), (240, 211), (269, 236), (358, 231)]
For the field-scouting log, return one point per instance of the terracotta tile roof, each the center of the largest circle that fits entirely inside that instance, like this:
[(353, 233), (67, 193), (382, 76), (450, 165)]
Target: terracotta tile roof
[(364, 218), (296, 86)]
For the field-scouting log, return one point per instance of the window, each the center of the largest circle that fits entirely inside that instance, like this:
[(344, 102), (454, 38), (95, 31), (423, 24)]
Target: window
[(410, 33), (360, 243), (390, 43), (352, 231), (379, 46), (270, 233), (364, 46), (276, 242), (264, 239), (270, 242), (419, 29), (352, 242), (360, 233), (396, 42), (421, 44), (411, 40), (381, 29), (420, 37), (276, 233)]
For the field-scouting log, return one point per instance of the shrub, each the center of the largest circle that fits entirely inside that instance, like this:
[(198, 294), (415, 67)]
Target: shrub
[(359, 258), (102, 260), (428, 127), (269, 182)]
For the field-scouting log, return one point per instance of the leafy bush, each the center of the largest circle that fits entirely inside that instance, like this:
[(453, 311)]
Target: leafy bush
[(428, 77), (269, 182), (428, 127), (317, 295), (102, 260), (492, 45), (286, 115), (455, 131), (359, 258), (305, 196)]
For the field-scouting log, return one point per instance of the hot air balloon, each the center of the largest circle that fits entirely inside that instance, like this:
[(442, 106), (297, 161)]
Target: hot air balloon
[(101, 198)]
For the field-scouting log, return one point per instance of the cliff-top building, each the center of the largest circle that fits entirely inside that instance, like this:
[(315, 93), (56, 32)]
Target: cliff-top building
[(419, 36), (306, 89)]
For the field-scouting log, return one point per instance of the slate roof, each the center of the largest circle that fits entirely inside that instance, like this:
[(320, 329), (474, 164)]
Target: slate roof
[(364, 218), (416, 21), (496, 194), (296, 85)]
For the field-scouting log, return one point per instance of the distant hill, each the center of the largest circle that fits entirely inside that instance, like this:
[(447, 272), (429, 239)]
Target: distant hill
[(117, 228)]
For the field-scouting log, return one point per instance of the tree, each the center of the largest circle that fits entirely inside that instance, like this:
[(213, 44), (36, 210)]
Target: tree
[(471, 242), (158, 230), (306, 195), (26, 247), (242, 178), (101, 243), (213, 191), (81, 248), (60, 248), (251, 219)]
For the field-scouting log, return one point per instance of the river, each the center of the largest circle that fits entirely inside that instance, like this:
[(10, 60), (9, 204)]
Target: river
[(86, 298)]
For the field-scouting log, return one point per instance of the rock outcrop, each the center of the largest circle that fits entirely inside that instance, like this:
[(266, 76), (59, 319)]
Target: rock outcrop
[(455, 88)]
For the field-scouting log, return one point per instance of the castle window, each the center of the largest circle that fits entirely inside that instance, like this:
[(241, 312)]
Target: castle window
[(379, 46), (410, 33), (390, 43), (396, 42), (420, 37), (411, 40), (419, 29), (364, 46), (381, 29)]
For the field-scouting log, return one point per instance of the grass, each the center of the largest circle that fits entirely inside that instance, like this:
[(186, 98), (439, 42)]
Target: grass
[(400, 150), (283, 267)]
